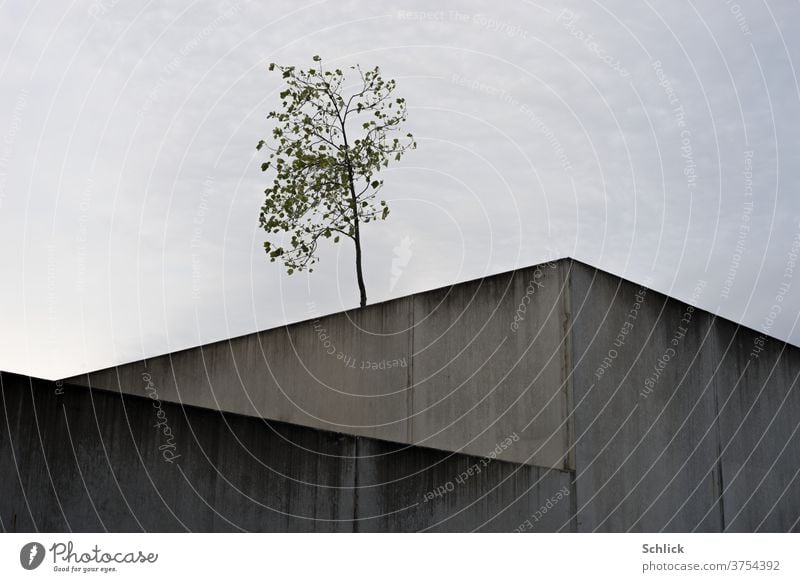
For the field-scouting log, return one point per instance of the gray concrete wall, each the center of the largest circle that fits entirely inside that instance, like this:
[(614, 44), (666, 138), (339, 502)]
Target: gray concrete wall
[(653, 415), (708, 443), (758, 400), (448, 369), (89, 460)]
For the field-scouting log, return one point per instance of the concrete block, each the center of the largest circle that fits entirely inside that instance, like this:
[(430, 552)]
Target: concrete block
[(489, 362), (646, 439)]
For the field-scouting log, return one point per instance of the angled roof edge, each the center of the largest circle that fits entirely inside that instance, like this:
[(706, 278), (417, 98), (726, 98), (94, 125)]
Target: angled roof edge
[(687, 302), (420, 292)]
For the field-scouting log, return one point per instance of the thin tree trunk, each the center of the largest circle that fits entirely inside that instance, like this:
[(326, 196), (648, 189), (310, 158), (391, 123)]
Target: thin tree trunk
[(362, 288), (359, 273)]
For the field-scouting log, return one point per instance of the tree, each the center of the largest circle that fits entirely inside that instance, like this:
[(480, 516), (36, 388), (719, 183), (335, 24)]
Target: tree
[(327, 150)]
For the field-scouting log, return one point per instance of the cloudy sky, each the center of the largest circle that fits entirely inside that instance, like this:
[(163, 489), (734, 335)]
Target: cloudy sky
[(653, 140)]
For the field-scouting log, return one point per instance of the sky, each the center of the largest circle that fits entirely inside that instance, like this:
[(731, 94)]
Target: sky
[(654, 140)]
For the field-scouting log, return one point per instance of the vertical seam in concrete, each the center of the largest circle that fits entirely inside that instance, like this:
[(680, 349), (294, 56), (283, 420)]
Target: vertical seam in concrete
[(569, 348), (355, 484), (568, 376), (720, 479), (410, 377), (573, 502)]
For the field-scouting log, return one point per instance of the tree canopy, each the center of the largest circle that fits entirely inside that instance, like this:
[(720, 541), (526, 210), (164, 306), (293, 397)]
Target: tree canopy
[(327, 149)]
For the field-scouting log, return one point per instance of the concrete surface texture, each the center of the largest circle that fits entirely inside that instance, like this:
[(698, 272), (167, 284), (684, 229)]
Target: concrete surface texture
[(443, 369), (91, 460), (684, 421), (554, 398)]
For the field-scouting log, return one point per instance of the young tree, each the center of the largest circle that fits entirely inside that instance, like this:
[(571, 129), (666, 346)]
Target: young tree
[(327, 150)]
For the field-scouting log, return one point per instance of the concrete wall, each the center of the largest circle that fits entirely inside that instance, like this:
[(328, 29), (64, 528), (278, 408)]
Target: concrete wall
[(425, 370), (708, 443), (653, 415), (89, 460), (758, 400)]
